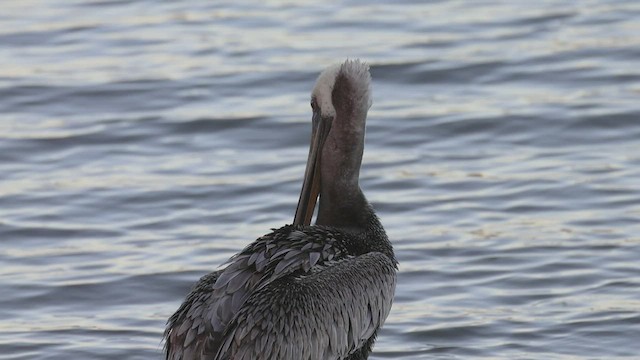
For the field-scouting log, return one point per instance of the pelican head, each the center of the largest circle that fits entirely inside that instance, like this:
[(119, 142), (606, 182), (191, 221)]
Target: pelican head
[(340, 101)]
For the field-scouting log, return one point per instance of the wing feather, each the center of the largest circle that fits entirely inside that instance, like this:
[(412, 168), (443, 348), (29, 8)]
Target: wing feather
[(198, 325), (187, 334), (330, 312)]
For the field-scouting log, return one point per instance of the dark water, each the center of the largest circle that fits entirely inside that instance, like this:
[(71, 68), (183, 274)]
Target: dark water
[(143, 143)]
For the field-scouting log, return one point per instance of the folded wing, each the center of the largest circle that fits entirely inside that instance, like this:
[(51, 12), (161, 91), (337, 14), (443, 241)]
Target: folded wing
[(327, 313)]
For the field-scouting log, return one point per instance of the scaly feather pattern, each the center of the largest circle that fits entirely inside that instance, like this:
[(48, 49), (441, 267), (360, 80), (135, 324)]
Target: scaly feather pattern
[(328, 313), (197, 330)]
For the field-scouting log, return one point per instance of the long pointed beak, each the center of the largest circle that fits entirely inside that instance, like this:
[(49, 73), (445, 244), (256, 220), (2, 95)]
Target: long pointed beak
[(311, 182)]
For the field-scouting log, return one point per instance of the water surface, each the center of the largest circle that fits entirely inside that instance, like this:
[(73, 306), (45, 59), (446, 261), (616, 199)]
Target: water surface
[(143, 143)]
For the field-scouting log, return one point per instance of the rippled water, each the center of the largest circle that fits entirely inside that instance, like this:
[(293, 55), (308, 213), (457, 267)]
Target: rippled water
[(143, 143)]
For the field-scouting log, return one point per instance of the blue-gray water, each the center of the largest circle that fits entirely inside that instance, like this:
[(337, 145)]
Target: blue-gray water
[(143, 143)]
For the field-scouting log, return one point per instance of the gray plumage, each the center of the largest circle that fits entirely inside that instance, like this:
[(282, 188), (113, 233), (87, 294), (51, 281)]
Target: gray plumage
[(299, 292)]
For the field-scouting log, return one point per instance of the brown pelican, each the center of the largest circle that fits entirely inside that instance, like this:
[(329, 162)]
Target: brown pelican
[(303, 291)]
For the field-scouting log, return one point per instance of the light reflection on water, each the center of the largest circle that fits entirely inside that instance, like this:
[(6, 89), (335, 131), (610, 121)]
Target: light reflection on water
[(141, 146)]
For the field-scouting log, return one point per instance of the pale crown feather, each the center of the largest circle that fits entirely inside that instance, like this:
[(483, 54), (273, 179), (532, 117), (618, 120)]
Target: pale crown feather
[(355, 71)]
